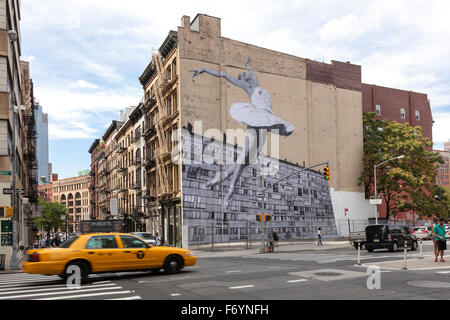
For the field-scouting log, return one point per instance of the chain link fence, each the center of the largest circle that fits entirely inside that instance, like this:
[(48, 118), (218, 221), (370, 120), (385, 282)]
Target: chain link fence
[(217, 236)]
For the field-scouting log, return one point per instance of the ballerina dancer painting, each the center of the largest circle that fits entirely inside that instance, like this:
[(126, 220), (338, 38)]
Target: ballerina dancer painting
[(257, 116)]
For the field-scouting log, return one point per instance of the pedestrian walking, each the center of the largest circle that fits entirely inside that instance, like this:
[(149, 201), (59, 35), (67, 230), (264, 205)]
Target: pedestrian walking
[(56, 242), (275, 238), (42, 243), (158, 239), (439, 234), (319, 237)]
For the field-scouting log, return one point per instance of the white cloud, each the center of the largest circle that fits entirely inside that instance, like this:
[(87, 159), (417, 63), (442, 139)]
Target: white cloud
[(81, 84), (401, 44), (441, 127)]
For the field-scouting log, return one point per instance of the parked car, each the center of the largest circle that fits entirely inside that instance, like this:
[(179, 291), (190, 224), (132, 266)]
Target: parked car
[(146, 236), (423, 232), (356, 236), (387, 236)]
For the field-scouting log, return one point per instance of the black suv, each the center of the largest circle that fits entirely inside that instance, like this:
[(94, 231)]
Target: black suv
[(388, 236)]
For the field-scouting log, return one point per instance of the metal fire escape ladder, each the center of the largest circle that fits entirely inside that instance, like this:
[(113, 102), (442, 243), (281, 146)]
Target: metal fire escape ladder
[(161, 84)]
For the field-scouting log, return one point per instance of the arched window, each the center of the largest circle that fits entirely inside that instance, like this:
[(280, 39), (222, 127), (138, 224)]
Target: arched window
[(138, 155)]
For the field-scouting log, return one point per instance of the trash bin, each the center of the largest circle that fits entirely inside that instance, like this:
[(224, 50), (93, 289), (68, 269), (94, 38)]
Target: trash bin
[(2, 261)]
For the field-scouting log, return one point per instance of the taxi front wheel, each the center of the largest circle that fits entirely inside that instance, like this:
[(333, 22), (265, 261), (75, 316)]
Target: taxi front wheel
[(173, 264)]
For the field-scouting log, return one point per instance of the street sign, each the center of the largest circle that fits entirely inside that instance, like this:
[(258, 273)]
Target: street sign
[(5, 173), (376, 201), (10, 191)]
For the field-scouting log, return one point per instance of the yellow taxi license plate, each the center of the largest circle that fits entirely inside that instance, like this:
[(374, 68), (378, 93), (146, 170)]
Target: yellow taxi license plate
[(376, 240)]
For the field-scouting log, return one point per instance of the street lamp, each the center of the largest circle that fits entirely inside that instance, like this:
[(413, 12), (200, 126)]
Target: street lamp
[(375, 177)]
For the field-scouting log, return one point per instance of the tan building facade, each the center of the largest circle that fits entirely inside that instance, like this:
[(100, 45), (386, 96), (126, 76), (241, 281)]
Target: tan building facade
[(74, 194), (17, 137)]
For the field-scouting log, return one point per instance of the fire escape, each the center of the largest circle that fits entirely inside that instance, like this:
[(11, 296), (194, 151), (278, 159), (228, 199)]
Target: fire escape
[(163, 149), (30, 156)]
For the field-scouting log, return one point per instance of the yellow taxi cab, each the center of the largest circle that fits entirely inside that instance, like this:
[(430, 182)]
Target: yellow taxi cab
[(106, 252)]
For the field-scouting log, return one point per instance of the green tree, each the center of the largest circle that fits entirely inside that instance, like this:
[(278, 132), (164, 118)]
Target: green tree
[(404, 184), (54, 216)]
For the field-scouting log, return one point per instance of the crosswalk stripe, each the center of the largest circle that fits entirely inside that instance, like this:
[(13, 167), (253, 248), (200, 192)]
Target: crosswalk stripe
[(87, 295), (53, 289), (128, 298), (298, 280), (242, 287), (61, 292), (31, 286)]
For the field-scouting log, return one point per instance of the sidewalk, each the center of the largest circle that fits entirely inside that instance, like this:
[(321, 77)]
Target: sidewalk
[(282, 248), (427, 263)]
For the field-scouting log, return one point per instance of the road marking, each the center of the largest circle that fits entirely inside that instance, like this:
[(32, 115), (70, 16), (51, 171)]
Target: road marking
[(175, 294), (128, 298), (87, 295), (53, 289), (232, 271), (443, 272), (242, 287), (61, 292), (298, 280)]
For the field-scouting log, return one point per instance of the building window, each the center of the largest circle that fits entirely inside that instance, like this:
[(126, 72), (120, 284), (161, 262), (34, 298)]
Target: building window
[(402, 113), (377, 110), (417, 115)]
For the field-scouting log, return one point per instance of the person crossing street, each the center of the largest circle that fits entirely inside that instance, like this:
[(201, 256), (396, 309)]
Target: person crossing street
[(439, 234)]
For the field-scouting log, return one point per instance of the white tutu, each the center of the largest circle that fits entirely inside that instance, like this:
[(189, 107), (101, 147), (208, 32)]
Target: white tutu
[(258, 114)]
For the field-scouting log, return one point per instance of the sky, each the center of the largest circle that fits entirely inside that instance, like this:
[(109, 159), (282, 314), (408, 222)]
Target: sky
[(86, 56)]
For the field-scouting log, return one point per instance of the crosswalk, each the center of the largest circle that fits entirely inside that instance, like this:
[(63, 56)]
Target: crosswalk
[(23, 286), (325, 258)]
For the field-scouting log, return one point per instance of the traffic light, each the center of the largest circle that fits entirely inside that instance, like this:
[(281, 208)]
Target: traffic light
[(266, 217), (326, 173), (259, 217), (9, 212)]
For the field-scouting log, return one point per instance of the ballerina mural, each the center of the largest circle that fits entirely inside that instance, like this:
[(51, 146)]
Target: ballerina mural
[(257, 115)]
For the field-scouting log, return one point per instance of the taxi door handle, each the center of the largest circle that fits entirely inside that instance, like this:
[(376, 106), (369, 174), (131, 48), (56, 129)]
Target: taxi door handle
[(127, 251), (91, 252)]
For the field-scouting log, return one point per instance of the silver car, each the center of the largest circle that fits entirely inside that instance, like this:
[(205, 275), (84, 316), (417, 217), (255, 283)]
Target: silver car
[(146, 236), (423, 232)]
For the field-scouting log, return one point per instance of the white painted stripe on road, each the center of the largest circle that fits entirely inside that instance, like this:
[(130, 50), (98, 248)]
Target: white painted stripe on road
[(128, 298), (242, 287), (298, 280), (70, 291), (87, 295), (53, 289), (233, 271), (175, 294), (17, 286)]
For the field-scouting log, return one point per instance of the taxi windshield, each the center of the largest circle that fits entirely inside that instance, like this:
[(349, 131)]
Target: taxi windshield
[(68, 242)]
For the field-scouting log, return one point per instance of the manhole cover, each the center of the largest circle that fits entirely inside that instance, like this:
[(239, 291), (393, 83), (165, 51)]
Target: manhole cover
[(327, 274), (429, 284)]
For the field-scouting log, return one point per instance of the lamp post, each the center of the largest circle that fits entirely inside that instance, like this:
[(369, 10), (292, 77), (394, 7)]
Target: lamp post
[(375, 177)]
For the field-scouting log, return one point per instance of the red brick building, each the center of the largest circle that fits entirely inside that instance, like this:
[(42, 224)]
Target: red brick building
[(401, 106)]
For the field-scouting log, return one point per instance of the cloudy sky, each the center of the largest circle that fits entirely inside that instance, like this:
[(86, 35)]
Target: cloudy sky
[(86, 56)]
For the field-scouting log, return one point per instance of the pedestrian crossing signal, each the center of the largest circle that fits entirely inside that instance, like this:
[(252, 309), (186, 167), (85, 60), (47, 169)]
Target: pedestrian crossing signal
[(266, 217), (259, 217), (326, 173)]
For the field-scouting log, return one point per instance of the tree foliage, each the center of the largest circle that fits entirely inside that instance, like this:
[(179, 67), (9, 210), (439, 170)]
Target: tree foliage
[(404, 184), (54, 216)]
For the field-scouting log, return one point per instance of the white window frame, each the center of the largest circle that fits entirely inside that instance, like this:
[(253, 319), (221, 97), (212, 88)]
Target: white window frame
[(402, 113), (417, 115), (378, 110)]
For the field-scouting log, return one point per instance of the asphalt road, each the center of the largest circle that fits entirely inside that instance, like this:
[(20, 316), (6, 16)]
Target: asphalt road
[(300, 275)]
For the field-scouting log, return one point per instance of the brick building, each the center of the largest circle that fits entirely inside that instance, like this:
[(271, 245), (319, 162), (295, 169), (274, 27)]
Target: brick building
[(404, 107)]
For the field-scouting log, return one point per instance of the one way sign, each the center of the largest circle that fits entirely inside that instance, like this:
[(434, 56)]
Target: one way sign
[(10, 191)]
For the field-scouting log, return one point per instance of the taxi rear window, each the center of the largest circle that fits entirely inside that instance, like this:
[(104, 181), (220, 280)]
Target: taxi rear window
[(68, 242)]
